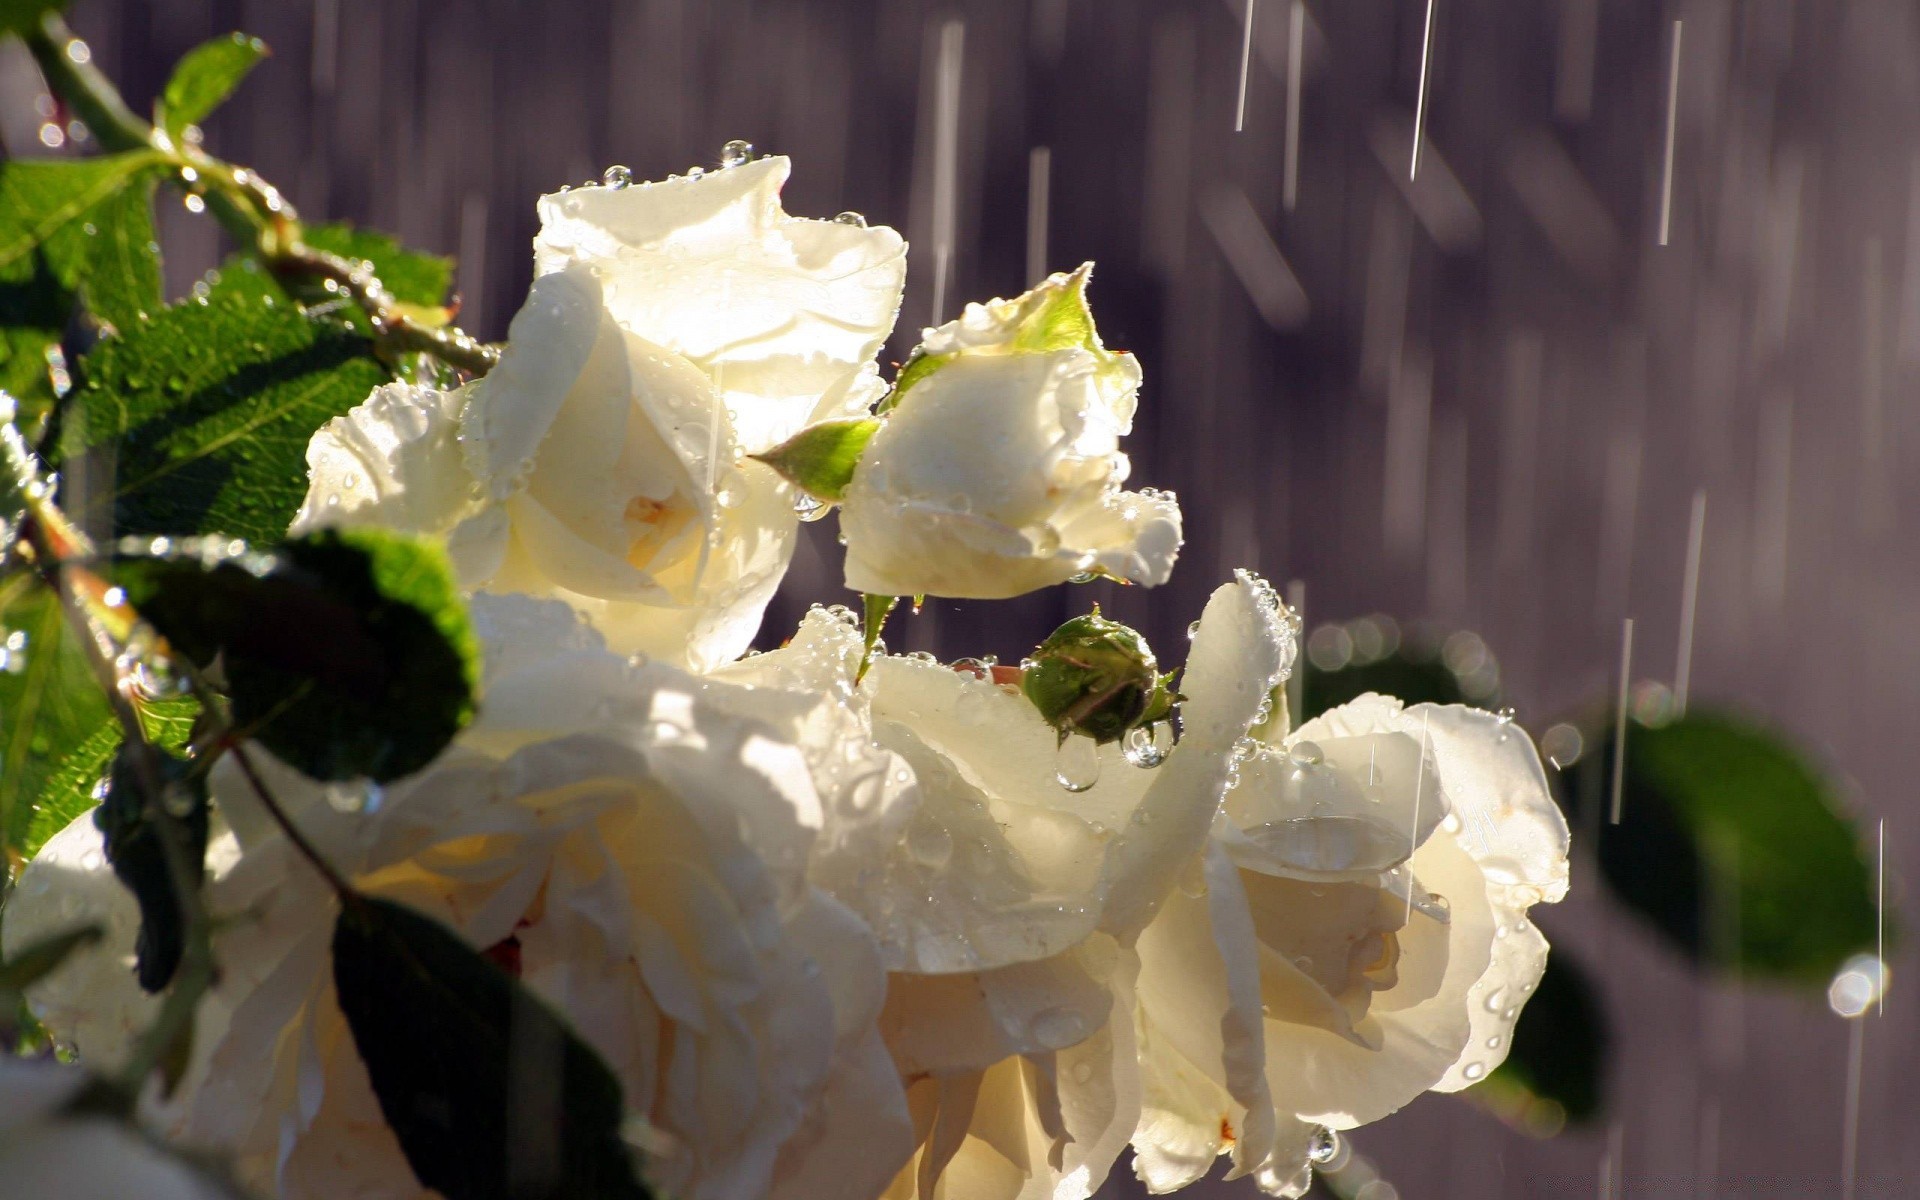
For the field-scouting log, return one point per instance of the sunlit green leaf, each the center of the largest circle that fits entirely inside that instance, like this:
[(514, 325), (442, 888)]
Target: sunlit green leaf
[(205, 78), (69, 789), (348, 654), (50, 705), (819, 460), (412, 276), (200, 417), (471, 1068)]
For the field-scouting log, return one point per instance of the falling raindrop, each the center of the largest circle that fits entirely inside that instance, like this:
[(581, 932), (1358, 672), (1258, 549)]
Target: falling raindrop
[(1076, 765)]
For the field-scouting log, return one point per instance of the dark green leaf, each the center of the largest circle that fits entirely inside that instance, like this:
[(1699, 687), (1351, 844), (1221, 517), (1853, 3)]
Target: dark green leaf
[(47, 208), (201, 416), (1730, 844), (819, 460), (412, 277), (1348, 660), (349, 656), (38, 960), (134, 847), (204, 78), (69, 790), (1555, 1068), (19, 16), (50, 705), (491, 1094)]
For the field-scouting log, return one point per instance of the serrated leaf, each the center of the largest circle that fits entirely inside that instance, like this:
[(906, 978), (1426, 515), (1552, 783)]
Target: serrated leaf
[(351, 656), (490, 1093), (414, 278), (69, 789), (819, 460), (50, 705), (46, 208), (1730, 845), (201, 416), (38, 960), (1555, 1069), (134, 847), (204, 78)]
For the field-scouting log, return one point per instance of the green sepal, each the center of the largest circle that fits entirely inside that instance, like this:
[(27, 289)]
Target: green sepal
[(820, 459)]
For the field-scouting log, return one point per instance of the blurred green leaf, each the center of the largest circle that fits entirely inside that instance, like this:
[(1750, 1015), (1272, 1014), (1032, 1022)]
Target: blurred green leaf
[(63, 221), (50, 705), (347, 654), (204, 78), (444, 1033), (201, 415), (1554, 1070), (412, 277), (1346, 660), (18, 16), (1730, 844)]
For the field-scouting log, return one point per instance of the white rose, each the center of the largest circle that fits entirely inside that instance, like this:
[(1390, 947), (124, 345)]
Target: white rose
[(49, 1154), (673, 327), (644, 871), (1361, 937), (998, 471), (1006, 906)]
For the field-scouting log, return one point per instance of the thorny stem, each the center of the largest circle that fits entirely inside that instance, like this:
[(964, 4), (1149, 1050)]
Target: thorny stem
[(252, 210), (55, 545)]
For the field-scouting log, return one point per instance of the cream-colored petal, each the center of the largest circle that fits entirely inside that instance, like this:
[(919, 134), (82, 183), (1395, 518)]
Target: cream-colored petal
[(393, 460), (783, 313), (950, 1024), (1509, 821)]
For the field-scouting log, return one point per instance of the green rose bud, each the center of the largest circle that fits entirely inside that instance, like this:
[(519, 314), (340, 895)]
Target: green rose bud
[(1096, 677)]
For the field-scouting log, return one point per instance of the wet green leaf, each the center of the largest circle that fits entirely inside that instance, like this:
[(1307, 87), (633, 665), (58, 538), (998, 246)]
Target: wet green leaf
[(50, 706), (490, 1093), (204, 78), (69, 789), (412, 277)]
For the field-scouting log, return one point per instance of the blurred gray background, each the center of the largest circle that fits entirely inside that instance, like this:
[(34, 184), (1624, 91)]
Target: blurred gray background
[(1486, 397)]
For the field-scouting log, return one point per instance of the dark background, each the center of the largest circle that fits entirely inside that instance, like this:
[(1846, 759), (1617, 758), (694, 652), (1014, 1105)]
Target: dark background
[(1493, 409)]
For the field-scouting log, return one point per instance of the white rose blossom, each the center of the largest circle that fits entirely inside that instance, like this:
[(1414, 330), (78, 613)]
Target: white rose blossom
[(48, 1153), (630, 841), (1361, 937), (1006, 907), (671, 329), (998, 470)]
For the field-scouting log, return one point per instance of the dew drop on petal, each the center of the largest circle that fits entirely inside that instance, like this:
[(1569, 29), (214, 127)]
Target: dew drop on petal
[(735, 153), (616, 176), (1322, 1147), (1076, 765)]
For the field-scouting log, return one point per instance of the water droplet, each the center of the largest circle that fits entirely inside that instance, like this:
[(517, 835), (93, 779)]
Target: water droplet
[(1146, 746), (1058, 1028), (193, 203), (1436, 901), (346, 797), (807, 508), (857, 220), (1495, 1042), (1857, 985), (1475, 1070), (1082, 1072), (1076, 765), (1193, 631), (616, 176), (1305, 754), (1322, 1146), (736, 152), (726, 496)]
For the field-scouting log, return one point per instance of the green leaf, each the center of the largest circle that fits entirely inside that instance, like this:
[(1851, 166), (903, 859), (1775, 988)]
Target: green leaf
[(347, 654), (38, 960), (20, 16), (134, 847), (874, 611), (1730, 844), (204, 79), (1555, 1068), (50, 705), (61, 222), (412, 277), (201, 416), (819, 460), (1095, 677), (69, 790), (490, 1093), (1057, 316)]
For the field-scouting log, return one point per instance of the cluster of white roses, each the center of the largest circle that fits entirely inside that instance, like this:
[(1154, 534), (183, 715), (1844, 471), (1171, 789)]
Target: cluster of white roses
[(839, 934)]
